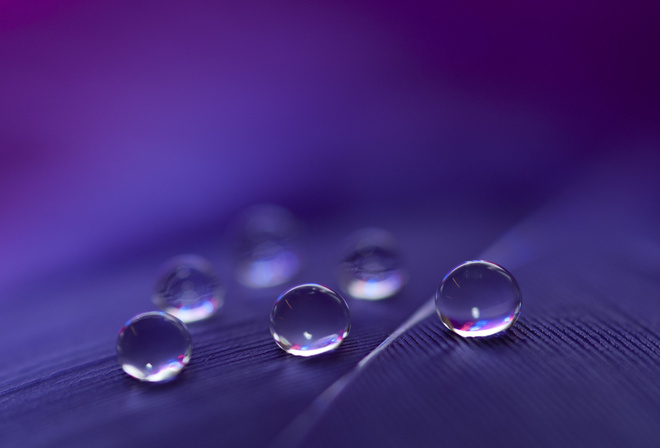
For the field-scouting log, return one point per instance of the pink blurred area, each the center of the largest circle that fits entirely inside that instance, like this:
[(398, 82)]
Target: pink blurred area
[(127, 122)]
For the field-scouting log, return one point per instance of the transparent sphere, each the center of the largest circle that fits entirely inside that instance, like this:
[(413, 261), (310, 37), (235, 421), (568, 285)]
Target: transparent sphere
[(266, 246), (309, 319), (153, 347), (478, 298), (188, 288), (371, 267)]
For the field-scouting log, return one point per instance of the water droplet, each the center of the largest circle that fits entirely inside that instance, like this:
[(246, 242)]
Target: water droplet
[(371, 267), (153, 347), (309, 319), (478, 298), (266, 248), (188, 288)]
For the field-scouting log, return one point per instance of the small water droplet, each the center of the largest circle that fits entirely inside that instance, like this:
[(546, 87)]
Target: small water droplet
[(188, 288), (309, 319), (478, 298), (266, 246), (371, 267), (153, 347)]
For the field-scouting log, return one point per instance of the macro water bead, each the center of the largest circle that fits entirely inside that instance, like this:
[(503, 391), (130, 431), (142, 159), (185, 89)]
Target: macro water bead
[(188, 288), (371, 267), (265, 246), (478, 298), (153, 347), (309, 319)]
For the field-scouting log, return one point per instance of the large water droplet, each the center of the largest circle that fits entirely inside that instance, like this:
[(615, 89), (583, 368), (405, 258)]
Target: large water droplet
[(478, 298), (309, 319), (153, 347)]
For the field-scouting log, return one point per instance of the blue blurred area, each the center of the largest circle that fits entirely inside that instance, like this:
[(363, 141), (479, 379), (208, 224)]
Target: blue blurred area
[(125, 124)]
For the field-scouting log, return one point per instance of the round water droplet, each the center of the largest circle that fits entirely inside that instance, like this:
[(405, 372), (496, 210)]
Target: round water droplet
[(478, 298), (265, 247), (309, 319), (153, 347), (371, 268), (188, 288)]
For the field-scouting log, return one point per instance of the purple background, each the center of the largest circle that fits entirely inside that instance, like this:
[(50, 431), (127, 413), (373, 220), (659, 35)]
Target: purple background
[(133, 131), (123, 123)]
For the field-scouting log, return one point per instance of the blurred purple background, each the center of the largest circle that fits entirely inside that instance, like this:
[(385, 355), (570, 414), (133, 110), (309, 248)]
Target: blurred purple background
[(125, 124), (132, 131)]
